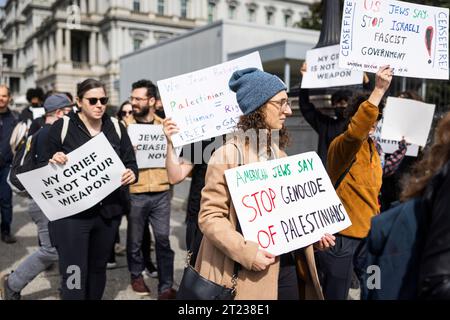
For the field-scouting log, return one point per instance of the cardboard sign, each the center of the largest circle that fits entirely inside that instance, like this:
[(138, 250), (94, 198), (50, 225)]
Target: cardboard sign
[(201, 102), (92, 173), (411, 38), (407, 118), (324, 72), (150, 144), (390, 146), (286, 204)]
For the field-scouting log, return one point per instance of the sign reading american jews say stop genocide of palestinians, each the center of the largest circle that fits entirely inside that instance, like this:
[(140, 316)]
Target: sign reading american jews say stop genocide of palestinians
[(93, 171), (286, 204), (411, 38)]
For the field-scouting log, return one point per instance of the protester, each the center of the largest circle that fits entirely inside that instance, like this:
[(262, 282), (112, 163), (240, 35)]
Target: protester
[(35, 97), (325, 126), (56, 106), (264, 102), (150, 202), (7, 123), (194, 162), (434, 274), (354, 152), (85, 239)]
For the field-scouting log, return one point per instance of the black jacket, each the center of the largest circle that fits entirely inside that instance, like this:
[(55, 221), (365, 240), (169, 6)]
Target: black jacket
[(77, 134), (434, 278), (7, 123), (326, 127)]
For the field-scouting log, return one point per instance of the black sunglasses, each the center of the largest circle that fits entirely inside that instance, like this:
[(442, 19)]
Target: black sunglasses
[(93, 101), (126, 113)]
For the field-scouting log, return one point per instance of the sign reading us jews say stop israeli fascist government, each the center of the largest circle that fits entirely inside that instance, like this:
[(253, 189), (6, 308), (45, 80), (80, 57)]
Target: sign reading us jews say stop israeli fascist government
[(201, 102), (286, 204), (324, 72), (411, 38), (92, 172)]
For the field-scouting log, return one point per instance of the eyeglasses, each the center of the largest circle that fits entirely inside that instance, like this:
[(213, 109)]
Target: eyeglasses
[(282, 105), (131, 99), (126, 113), (93, 101)]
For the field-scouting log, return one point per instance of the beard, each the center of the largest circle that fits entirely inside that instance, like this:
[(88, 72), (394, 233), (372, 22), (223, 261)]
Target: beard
[(144, 111)]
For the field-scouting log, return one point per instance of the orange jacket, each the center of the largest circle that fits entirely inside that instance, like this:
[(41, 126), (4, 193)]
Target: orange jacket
[(360, 189)]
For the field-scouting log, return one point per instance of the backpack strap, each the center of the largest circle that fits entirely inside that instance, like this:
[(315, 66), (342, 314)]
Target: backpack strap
[(343, 175), (27, 149), (117, 127), (65, 127)]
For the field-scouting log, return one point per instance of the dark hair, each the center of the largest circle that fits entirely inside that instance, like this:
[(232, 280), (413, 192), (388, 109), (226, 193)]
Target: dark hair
[(150, 86), (257, 120), (410, 94), (119, 115), (357, 100), (157, 95), (435, 157), (340, 95), (35, 93), (87, 85), (69, 95)]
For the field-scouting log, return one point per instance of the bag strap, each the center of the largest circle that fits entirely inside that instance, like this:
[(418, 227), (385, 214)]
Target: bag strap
[(27, 149), (65, 127), (117, 127), (343, 175)]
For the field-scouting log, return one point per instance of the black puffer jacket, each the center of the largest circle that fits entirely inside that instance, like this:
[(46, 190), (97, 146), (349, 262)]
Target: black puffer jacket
[(77, 134)]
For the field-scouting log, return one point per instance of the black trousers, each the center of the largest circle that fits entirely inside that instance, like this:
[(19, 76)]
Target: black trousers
[(83, 243), (336, 265), (287, 278)]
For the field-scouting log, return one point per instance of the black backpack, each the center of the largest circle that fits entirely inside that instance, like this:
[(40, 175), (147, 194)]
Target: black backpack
[(25, 159)]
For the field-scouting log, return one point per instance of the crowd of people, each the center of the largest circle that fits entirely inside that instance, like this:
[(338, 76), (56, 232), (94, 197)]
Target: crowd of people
[(355, 162)]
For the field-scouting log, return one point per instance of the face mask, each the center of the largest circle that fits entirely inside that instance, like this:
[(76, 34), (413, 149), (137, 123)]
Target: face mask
[(339, 112), (160, 113)]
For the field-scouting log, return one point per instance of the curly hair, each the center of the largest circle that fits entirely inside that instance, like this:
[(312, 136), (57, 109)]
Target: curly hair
[(257, 120), (356, 102), (435, 157)]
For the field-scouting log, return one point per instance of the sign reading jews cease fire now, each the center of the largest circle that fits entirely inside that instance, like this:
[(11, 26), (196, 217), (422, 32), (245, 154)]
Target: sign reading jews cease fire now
[(201, 102), (407, 118), (411, 38), (324, 72), (150, 144), (286, 204), (93, 171)]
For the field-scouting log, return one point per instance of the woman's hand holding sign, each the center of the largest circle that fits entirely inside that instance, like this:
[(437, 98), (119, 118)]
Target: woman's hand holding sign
[(128, 177), (170, 128), (262, 260), (59, 158), (325, 242)]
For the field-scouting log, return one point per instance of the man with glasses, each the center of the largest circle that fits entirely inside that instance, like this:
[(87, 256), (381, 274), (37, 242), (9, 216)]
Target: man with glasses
[(56, 106), (150, 203)]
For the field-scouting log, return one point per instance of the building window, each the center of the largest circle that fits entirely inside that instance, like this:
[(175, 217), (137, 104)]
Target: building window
[(251, 15), (231, 12), (136, 5), (184, 8), (287, 20), (211, 11), (269, 17), (161, 7), (137, 44)]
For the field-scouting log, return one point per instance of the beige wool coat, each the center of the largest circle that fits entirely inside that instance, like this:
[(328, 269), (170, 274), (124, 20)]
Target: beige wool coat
[(222, 244)]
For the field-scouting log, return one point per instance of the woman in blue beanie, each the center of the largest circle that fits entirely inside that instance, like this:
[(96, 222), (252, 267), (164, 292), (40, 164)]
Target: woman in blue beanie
[(263, 99)]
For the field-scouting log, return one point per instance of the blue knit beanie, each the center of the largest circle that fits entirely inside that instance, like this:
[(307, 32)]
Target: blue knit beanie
[(254, 88)]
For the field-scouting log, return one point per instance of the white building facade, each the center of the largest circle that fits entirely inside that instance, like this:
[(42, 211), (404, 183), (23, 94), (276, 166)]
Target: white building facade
[(55, 44)]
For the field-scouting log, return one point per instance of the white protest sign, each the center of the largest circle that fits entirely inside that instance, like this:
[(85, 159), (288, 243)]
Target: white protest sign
[(407, 118), (92, 172), (286, 204), (411, 38), (150, 144), (390, 146), (324, 72), (201, 102), (37, 112)]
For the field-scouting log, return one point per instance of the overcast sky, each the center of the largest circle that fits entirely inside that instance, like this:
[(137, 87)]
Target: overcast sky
[(2, 2)]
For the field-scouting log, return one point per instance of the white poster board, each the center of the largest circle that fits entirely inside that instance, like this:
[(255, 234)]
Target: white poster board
[(390, 146), (286, 204), (37, 112), (92, 173), (411, 38), (324, 72), (201, 102), (407, 118), (150, 144)]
